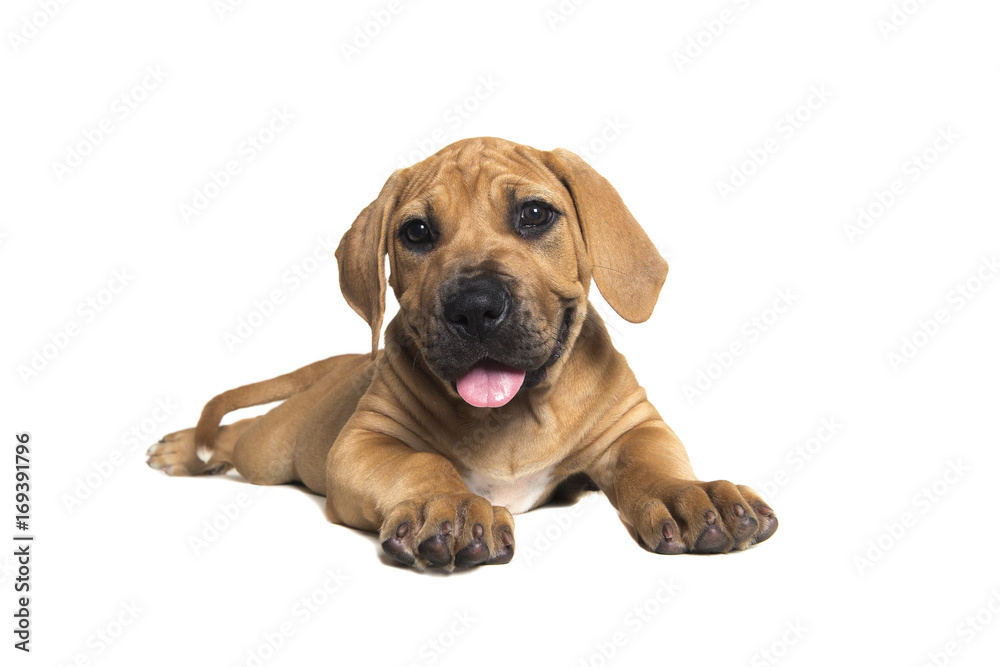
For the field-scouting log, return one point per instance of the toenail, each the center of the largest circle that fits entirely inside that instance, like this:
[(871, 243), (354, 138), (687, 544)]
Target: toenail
[(739, 510), (710, 517), (477, 531)]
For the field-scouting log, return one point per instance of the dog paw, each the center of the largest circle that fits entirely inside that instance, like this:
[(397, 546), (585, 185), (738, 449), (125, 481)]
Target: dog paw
[(448, 531), (176, 455), (702, 518)]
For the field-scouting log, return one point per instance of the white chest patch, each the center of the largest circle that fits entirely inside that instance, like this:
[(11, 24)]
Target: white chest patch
[(517, 494)]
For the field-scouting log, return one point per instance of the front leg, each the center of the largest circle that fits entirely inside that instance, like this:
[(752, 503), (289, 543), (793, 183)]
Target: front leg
[(648, 478), (417, 502)]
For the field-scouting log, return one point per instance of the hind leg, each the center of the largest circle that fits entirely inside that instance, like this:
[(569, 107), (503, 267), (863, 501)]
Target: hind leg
[(260, 448), (176, 455), (290, 443), (264, 452), (263, 449)]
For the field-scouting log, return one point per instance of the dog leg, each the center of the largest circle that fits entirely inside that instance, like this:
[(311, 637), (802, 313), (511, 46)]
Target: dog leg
[(647, 477), (176, 453), (262, 449), (417, 502), (259, 393)]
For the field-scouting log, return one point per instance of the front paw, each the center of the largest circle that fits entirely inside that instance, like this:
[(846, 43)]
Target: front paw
[(448, 531), (701, 517)]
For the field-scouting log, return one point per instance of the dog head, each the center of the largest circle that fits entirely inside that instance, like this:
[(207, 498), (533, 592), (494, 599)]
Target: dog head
[(492, 246)]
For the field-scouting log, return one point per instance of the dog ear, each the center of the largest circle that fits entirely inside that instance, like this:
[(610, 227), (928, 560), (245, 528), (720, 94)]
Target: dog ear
[(624, 262), (361, 259)]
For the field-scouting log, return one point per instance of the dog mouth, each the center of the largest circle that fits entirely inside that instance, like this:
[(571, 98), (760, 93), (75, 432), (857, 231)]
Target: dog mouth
[(489, 383)]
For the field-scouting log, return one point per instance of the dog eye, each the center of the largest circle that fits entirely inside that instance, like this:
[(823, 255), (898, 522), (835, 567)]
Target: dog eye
[(416, 232), (535, 214)]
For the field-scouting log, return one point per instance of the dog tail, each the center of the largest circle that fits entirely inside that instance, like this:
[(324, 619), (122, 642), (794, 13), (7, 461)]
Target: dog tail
[(258, 393)]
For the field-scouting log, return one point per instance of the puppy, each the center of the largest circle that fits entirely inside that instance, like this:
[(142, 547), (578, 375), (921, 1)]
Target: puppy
[(498, 388)]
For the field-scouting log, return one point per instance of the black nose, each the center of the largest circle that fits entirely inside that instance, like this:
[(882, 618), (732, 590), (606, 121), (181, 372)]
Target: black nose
[(477, 308)]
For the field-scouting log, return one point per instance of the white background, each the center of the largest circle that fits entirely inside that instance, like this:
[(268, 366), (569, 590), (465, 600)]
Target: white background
[(864, 568)]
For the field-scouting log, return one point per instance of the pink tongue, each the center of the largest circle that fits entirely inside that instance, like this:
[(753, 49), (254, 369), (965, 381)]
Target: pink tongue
[(489, 384)]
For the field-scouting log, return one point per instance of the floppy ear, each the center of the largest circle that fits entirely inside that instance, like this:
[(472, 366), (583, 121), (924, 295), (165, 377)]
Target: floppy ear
[(624, 262), (361, 258)]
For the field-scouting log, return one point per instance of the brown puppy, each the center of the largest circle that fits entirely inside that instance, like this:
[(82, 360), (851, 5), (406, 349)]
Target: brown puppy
[(499, 387)]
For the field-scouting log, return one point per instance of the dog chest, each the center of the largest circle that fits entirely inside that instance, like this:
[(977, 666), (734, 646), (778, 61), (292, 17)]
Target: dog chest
[(517, 494)]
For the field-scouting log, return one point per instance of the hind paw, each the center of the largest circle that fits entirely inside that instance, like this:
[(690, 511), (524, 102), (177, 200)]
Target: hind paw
[(176, 455)]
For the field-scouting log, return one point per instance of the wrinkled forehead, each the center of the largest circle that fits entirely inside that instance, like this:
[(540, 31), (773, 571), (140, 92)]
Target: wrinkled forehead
[(477, 178)]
